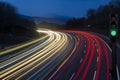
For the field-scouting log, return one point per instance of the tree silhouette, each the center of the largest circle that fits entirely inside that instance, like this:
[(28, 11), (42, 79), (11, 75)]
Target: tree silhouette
[(97, 20), (12, 23)]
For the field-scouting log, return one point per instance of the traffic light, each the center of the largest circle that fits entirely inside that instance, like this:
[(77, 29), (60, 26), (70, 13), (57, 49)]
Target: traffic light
[(113, 25), (113, 32), (113, 37)]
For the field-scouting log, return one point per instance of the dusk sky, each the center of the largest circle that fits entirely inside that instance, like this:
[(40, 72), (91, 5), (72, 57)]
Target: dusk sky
[(52, 8)]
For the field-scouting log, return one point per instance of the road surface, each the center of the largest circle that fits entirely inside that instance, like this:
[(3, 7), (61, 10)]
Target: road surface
[(61, 55)]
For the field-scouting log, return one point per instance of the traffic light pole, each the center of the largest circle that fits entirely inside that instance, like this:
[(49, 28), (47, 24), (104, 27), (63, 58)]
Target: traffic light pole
[(113, 36), (114, 59)]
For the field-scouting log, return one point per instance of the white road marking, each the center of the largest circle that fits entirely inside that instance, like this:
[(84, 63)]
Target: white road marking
[(95, 44), (118, 75), (85, 42), (94, 75), (97, 50), (111, 51), (72, 76), (118, 45), (62, 64), (84, 51), (97, 59), (81, 60)]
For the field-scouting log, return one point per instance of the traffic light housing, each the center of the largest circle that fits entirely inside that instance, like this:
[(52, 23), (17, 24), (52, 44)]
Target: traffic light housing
[(113, 37), (113, 25)]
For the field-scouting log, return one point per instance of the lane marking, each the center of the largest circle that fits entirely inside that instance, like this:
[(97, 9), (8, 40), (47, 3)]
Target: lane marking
[(97, 50), (118, 45), (72, 76), (106, 44), (118, 75), (111, 51), (62, 63), (94, 75), (84, 51), (95, 44), (85, 42), (81, 60), (97, 59)]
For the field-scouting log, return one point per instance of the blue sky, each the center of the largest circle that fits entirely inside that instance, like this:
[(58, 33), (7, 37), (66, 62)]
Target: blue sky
[(50, 8)]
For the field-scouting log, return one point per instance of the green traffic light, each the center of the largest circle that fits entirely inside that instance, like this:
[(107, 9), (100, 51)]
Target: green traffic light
[(113, 32)]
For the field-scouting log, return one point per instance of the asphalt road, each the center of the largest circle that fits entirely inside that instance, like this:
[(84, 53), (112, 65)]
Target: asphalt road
[(62, 55)]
